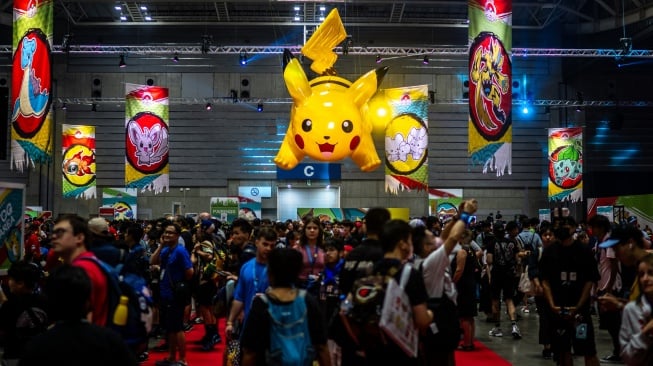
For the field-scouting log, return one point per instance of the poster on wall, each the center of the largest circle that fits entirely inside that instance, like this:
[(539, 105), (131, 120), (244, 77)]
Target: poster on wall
[(489, 80), (78, 167), (332, 214), (406, 136), (248, 208), (637, 207), (605, 211), (544, 214), (565, 164), (123, 201), (447, 207), (438, 193), (224, 209), (12, 208), (31, 83), (146, 138)]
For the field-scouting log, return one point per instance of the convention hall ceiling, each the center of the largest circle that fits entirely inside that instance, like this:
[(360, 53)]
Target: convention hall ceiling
[(379, 21)]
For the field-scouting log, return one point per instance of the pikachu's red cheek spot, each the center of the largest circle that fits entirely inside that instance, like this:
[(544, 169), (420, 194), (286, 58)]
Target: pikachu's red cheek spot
[(299, 141), (354, 143)]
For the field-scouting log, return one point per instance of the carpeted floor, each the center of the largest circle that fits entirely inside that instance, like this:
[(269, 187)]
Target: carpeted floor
[(196, 357)]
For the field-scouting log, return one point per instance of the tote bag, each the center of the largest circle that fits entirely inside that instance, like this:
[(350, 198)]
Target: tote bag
[(397, 315)]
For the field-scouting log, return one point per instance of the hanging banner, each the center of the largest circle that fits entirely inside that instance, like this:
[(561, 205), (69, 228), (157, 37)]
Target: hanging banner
[(12, 208), (405, 116), (146, 138), (490, 80), (78, 166), (566, 164), (31, 84), (122, 200)]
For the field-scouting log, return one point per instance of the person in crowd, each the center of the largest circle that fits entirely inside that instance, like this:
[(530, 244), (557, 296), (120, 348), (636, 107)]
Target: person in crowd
[(396, 241), (464, 269), (543, 310), (436, 271), (423, 243), (23, 312), (137, 260), (102, 242), (68, 290), (253, 278), (636, 333), (609, 282), (71, 239), (502, 256), (530, 242), (32, 247), (568, 271), (329, 295), (241, 249), (310, 245), (284, 266), (202, 257), (177, 269)]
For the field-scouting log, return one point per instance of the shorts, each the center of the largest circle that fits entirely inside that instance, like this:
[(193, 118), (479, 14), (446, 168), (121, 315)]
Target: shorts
[(503, 281), (565, 335), (206, 293), (172, 316)]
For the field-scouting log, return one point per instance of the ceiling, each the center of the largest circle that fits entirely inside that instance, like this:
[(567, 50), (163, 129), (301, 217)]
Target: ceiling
[(384, 22)]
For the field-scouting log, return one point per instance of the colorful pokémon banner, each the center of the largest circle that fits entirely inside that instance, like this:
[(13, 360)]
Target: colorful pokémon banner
[(31, 84), (122, 200), (490, 79), (12, 208), (566, 164), (78, 166), (146, 138), (404, 113)]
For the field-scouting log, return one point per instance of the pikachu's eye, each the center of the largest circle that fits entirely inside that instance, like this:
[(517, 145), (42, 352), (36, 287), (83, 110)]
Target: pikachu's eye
[(347, 126), (307, 125)]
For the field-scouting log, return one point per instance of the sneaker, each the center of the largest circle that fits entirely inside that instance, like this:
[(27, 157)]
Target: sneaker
[(525, 310), (496, 332), (188, 327), (166, 362), (202, 340), (611, 359), (211, 342), (516, 334), (547, 354)]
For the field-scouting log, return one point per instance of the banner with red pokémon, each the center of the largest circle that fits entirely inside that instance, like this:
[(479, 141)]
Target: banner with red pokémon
[(78, 166), (146, 138)]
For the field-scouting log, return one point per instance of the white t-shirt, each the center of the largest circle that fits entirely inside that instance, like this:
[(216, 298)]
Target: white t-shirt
[(436, 269)]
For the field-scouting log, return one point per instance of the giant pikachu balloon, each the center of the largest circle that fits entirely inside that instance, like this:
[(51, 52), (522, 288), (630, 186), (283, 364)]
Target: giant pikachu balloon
[(326, 122)]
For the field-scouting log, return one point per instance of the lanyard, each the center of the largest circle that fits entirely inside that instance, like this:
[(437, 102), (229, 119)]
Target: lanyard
[(254, 275)]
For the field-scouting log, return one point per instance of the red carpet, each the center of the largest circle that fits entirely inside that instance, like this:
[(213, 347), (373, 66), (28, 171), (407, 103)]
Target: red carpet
[(196, 357)]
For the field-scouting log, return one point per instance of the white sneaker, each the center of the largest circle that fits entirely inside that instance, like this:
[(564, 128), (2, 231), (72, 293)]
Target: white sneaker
[(496, 332), (516, 334)]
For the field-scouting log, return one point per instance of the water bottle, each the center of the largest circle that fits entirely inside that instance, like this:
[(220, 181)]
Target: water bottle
[(120, 315)]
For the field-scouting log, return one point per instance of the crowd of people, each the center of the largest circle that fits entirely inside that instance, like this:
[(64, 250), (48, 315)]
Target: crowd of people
[(309, 276)]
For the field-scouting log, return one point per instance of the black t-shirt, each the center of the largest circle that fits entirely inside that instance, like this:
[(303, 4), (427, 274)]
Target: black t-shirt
[(504, 254), (568, 269), (360, 263), (256, 332)]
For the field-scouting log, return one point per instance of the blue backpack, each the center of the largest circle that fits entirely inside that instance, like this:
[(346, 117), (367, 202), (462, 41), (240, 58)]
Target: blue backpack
[(290, 341), (139, 308)]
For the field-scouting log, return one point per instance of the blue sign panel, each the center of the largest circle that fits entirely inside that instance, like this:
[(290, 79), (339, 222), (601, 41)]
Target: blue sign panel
[(316, 171)]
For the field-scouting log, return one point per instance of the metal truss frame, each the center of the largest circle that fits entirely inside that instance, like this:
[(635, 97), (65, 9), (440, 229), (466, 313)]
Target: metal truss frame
[(552, 103), (382, 51)]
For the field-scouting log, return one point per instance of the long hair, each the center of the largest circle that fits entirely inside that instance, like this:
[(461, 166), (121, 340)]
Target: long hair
[(303, 240)]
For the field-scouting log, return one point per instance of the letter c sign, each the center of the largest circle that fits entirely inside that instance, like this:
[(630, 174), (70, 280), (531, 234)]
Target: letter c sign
[(309, 171)]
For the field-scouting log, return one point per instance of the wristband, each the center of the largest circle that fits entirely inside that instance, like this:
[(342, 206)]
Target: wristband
[(465, 217)]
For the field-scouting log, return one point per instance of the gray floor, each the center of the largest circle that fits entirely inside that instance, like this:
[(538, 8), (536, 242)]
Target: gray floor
[(527, 351)]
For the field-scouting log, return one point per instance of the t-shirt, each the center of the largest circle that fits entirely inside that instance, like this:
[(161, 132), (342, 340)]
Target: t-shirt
[(256, 332), (504, 254), (175, 261), (99, 288), (567, 269), (359, 263), (253, 279)]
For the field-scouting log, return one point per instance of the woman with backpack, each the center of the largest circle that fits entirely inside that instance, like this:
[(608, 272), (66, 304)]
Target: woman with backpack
[(285, 325)]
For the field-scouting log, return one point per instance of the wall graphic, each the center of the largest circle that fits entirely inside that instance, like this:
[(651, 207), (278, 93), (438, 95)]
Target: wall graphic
[(123, 201), (78, 167), (12, 208)]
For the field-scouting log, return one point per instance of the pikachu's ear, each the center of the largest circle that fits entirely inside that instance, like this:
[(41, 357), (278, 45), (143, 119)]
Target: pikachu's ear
[(366, 86), (295, 78)]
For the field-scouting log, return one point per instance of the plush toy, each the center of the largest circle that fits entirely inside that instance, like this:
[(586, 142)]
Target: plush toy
[(326, 122)]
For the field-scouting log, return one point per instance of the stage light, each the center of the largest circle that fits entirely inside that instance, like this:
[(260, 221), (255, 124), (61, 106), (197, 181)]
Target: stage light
[(626, 45), (259, 107), (345, 46), (426, 60), (64, 106), (175, 59), (208, 106), (206, 43), (234, 96), (65, 42), (378, 59), (432, 96), (525, 110), (122, 62), (93, 107), (123, 17), (243, 58)]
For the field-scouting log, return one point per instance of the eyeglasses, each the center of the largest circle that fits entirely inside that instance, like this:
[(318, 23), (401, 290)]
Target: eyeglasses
[(60, 231)]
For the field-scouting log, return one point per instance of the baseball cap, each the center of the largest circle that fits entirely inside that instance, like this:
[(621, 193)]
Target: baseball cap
[(98, 226), (617, 235)]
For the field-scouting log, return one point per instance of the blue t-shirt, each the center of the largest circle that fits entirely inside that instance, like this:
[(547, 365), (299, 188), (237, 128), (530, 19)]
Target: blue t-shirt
[(174, 263), (253, 279)]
